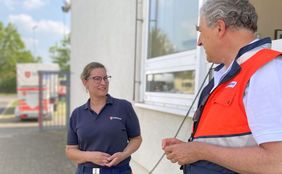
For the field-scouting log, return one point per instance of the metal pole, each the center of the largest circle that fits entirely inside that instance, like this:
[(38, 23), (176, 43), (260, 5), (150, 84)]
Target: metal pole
[(40, 98), (34, 44), (68, 91)]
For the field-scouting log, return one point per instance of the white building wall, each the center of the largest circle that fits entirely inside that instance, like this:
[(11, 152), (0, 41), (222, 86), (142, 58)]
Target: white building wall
[(156, 126), (103, 31)]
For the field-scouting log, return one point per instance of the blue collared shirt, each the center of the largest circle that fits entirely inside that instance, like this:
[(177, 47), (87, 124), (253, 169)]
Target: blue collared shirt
[(108, 131)]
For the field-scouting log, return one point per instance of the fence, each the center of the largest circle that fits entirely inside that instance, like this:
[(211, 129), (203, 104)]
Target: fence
[(54, 99)]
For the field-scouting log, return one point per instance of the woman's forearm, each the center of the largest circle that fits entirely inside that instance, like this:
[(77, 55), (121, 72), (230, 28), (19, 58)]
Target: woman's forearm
[(133, 145)]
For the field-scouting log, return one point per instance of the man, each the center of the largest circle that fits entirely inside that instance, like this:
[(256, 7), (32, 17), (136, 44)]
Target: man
[(237, 126)]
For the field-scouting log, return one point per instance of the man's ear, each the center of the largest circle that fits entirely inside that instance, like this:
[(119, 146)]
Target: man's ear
[(221, 27)]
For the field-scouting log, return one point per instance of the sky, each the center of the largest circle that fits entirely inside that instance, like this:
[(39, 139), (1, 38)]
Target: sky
[(41, 23)]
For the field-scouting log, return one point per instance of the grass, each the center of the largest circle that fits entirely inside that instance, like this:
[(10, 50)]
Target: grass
[(5, 94), (11, 109)]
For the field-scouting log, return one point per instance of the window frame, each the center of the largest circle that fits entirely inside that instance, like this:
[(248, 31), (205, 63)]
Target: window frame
[(186, 60)]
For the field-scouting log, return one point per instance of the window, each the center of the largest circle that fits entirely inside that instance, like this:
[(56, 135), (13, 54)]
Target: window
[(182, 82), (170, 61), (172, 26)]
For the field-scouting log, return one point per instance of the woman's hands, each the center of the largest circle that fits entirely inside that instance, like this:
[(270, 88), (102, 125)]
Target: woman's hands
[(99, 158), (104, 159), (116, 158)]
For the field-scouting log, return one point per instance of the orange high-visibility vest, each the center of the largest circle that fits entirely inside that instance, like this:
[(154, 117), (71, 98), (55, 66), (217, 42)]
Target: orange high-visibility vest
[(224, 114)]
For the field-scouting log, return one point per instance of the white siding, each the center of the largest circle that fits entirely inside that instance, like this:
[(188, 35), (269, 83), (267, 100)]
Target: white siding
[(103, 31)]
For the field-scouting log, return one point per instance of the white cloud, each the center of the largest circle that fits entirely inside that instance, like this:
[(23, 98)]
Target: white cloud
[(11, 4), (52, 26), (30, 42), (27, 4), (33, 4), (23, 21), (27, 23)]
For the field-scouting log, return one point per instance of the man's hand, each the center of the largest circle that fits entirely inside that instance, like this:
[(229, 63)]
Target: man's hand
[(181, 152), (170, 141)]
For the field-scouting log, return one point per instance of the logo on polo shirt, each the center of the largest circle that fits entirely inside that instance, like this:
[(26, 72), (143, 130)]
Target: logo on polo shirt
[(231, 84), (115, 118)]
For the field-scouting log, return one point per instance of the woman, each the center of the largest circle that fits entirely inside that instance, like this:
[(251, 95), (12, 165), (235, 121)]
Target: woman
[(103, 132)]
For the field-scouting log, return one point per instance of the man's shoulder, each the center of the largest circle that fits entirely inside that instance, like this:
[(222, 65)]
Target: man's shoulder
[(275, 63), (269, 73)]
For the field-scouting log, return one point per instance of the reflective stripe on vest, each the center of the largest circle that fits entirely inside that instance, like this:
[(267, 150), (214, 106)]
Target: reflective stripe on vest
[(223, 120), (230, 141)]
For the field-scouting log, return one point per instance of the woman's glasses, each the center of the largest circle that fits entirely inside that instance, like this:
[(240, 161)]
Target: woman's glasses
[(98, 79)]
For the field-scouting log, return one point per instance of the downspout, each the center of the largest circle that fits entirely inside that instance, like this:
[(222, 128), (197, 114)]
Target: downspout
[(136, 80)]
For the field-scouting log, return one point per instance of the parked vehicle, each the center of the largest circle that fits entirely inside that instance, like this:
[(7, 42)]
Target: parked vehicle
[(28, 90)]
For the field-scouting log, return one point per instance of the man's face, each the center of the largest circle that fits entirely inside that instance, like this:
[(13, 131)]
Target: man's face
[(209, 40)]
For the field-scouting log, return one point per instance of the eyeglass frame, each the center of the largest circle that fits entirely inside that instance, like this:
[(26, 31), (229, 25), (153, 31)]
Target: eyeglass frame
[(98, 79)]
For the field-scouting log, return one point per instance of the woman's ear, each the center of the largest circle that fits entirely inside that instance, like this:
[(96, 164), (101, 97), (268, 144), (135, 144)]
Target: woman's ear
[(84, 83)]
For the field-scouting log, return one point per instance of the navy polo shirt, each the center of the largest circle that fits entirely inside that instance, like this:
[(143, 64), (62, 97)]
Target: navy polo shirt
[(108, 131)]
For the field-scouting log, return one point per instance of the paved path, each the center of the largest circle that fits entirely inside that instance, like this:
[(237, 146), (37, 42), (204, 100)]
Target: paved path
[(26, 150), (29, 151)]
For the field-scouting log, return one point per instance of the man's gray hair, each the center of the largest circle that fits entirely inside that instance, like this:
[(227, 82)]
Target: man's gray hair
[(235, 13)]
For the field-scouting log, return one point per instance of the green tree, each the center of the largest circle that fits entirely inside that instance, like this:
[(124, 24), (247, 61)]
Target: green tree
[(159, 44), (12, 51), (60, 53)]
